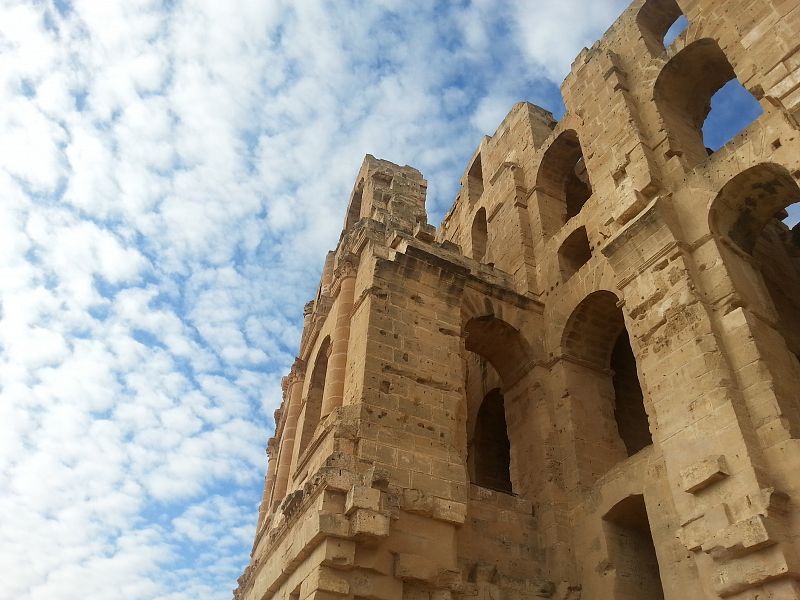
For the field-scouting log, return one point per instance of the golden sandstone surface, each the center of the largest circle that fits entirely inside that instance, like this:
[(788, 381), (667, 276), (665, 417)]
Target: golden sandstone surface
[(585, 382)]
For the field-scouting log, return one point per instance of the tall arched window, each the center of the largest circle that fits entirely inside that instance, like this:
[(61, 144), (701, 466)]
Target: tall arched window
[(480, 234), (490, 448), (313, 404), (562, 182)]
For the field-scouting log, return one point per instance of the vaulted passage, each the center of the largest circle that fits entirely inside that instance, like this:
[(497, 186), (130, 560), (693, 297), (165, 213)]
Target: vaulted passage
[(602, 380), (750, 210), (762, 257), (632, 552), (497, 366)]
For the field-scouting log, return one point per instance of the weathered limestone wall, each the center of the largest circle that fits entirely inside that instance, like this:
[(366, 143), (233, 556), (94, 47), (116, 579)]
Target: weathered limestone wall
[(585, 382)]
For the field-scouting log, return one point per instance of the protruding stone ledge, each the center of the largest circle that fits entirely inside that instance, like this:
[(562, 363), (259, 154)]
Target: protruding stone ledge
[(414, 567), (704, 473), (441, 509)]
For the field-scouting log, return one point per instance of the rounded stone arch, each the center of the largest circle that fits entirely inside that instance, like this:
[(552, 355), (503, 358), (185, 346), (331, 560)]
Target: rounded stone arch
[(592, 329), (479, 235), (654, 20), (762, 256), (475, 303), (749, 200), (682, 92), (501, 344), (599, 277)]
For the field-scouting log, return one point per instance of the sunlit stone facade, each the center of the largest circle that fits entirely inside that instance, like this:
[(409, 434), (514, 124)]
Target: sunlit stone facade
[(585, 382)]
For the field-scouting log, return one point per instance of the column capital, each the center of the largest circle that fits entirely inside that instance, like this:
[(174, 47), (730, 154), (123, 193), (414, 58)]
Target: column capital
[(272, 448), (298, 370), (346, 267)]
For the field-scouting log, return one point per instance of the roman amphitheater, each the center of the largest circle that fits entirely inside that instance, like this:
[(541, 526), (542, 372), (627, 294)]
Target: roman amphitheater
[(585, 382)]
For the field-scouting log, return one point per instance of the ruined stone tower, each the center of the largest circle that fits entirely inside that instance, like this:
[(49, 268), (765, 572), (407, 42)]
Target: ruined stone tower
[(583, 384)]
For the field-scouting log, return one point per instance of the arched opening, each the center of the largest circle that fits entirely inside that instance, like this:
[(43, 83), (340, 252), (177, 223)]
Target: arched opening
[(480, 235), (683, 93), (475, 180), (733, 108), (574, 253), (752, 211), (490, 450), (660, 21), (562, 182), (678, 26), (313, 404), (632, 552), (602, 379), (498, 415)]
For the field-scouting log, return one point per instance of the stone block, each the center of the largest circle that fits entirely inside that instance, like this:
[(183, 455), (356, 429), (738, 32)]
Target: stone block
[(364, 497), (368, 524)]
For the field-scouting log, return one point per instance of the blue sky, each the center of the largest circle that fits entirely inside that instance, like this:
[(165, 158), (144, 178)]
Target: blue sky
[(172, 174)]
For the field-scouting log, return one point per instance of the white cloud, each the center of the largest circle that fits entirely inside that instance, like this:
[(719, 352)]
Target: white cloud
[(172, 175), (551, 32)]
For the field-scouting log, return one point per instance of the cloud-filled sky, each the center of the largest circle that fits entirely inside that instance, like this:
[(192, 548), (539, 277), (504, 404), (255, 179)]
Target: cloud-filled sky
[(172, 173)]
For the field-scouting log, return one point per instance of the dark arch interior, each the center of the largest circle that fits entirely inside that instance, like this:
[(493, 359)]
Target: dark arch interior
[(475, 180), (490, 448), (632, 550), (479, 235), (629, 412), (574, 253)]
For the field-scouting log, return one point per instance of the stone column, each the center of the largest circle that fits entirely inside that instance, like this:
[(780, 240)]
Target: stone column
[(294, 389), (263, 508), (308, 312), (333, 393)]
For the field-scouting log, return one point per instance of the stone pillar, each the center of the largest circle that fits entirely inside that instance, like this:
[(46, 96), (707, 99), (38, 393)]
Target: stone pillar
[(263, 508), (308, 313), (337, 363), (294, 389)]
